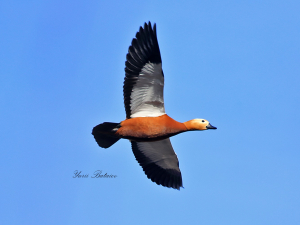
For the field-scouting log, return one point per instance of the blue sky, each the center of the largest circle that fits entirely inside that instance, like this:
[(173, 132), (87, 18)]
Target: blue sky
[(234, 63)]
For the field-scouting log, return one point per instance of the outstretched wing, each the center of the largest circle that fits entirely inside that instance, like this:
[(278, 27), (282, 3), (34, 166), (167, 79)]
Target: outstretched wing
[(144, 79), (159, 162)]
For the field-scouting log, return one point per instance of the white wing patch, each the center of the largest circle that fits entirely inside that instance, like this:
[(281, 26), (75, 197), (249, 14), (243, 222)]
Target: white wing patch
[(147, 97)]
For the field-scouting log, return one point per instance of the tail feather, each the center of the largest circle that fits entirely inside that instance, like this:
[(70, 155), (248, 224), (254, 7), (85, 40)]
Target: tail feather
[(104, 134)]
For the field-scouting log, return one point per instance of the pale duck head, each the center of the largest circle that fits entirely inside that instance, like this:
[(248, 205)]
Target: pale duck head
[(198, 124)]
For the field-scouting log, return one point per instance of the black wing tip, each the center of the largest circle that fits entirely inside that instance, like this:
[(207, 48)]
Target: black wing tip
[(149, 25), (146, 40), (169, 181)]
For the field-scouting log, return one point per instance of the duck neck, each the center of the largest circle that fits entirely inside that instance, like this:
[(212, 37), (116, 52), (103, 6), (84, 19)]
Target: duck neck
[(189, 125)]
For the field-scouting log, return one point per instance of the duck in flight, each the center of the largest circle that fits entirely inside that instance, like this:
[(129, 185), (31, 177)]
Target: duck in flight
[(147, 126)]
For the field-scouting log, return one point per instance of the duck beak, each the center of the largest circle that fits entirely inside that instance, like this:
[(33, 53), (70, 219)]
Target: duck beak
[(209, 126)]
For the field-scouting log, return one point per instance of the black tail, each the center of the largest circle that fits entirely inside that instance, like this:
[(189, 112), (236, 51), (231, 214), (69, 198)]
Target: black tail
[(104, 134)]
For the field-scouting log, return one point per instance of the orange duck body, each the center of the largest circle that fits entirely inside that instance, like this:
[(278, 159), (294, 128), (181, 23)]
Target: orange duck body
[(150, 128)]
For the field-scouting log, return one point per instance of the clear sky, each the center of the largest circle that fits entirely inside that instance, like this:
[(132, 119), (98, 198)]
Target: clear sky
[(234, 63)]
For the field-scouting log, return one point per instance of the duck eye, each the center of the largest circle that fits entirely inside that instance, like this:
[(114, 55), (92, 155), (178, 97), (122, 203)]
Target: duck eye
[(203, 121)]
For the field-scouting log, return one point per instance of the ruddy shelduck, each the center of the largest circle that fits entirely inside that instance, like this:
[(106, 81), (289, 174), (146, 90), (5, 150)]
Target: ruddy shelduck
[(147, 126)]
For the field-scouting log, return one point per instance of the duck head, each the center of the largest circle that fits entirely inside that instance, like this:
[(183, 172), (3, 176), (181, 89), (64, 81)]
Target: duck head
[(198, 124)]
